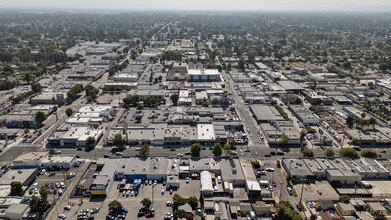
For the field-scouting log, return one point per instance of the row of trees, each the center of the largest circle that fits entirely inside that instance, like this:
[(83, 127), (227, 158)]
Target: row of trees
[(91, 92), (74, 91), (217, 150), (134, 101), (344, 152), (120, 142), (360, 122)]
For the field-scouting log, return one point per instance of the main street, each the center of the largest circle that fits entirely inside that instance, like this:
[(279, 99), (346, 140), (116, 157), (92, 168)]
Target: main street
[(243, 113)]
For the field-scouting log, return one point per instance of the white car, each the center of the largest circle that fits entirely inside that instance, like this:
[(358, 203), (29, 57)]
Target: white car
[(67, 207), (269, 169), (62, 216)]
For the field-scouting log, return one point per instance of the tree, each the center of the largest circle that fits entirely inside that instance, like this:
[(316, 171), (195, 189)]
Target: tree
[(146, 203), (227, 148), (36, 87), (193, 202), (195, 150), (118, 140), (329, 152), (372, 122), (40, 117), (69, 112), (344, 198), (179, 213), (307, 152), (350, 121), (52, 151), (284, 139), (370, 153), (90, 141), (16, 188), (91, 92), (356, 142), (205, 103), (289, 178), (44, 193), (348, 152), (138, 118), (115, 206), (144, 150), (313, 217), (217, 150), (286, 211), (174, 98), (178, 200), (28, 77), (34, 203)]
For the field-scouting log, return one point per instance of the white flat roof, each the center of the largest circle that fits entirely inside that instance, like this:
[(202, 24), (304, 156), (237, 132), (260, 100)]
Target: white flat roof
[(205, 132)]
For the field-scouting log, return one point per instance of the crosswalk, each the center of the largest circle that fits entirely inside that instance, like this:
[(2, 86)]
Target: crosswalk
[(267, 162)]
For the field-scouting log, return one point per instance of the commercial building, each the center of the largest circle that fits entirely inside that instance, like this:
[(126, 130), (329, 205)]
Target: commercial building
[(125, 77), (103, 110), (50, 98), (376, 209), (25, 176), (275, 130), (178, 72), (265, 114), (345, 209), (15, 212), (29, 160), (298, 169), (369, 168), (342, 174), (207, 188), (206, 75), (290, 86), (58, 162), (115, 86), (18, 121), (71, 136), (304, 115), (231, 172), (143, 94), (253, 187)]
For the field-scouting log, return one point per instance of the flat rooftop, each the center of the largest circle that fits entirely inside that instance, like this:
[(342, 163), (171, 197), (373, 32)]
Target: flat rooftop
[(31, 156)]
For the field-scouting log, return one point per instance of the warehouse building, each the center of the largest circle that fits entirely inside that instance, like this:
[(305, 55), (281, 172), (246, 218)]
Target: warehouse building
[(265, 114)]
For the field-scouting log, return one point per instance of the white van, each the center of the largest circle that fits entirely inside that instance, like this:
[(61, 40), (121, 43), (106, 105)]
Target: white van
[(219, 179)]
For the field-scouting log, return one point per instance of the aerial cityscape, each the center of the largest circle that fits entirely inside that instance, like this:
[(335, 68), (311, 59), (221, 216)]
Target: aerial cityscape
[(195, 114)]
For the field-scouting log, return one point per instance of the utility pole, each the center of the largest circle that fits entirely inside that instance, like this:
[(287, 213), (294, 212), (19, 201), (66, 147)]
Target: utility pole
[(280, 192), (153, 197)]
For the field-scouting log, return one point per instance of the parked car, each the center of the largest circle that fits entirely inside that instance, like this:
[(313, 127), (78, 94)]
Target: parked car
[(61, 216), (95, 210), (67, 207)]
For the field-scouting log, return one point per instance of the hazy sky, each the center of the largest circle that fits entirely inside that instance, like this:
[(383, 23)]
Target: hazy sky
[(203, 4)]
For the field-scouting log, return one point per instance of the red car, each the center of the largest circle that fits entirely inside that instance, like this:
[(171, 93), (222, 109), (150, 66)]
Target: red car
[(150, 214)]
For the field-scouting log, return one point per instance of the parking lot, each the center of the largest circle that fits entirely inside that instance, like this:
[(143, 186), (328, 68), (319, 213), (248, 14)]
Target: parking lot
[(133, 202), (319, 190)]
